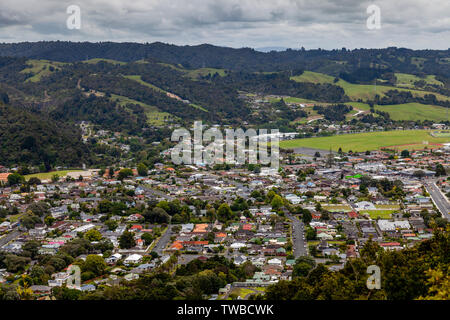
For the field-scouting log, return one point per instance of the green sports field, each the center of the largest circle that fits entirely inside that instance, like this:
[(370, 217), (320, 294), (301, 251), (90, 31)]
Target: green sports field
[(49, 175), (365, 141)]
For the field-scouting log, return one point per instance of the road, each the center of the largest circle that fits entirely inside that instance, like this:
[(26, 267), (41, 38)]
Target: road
[(158, 193), (438, 198), (163, 241), (298, 237), (9, 237)]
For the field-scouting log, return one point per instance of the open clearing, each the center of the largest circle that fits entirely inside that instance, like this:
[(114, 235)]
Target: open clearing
[(138, 78), (414, 112), (361, 142), (337, 207), (41, 68), (407, 80), (359, 91), (49, 175), (97, 60), (382, 214), (154, 115)]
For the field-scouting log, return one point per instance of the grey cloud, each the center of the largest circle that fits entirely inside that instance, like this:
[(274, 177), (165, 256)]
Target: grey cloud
[(237, 23)]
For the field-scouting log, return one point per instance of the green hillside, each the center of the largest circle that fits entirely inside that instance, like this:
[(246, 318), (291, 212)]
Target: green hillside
[(360, 91), (41, 68), (154, 115)]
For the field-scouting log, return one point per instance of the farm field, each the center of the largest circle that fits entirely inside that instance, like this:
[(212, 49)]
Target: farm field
[(361, 142), (314, 77), (48, 175), (408, 111), (359, 91), (414, 112), (407, 80)]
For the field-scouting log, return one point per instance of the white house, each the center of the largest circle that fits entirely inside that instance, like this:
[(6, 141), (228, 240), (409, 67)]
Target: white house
[(274, 262), (133, 259)]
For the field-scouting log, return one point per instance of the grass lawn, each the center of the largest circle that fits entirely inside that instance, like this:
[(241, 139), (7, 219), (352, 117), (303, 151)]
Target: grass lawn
[(388, 206), (15, 217), (360, 142), (338, 207), (48, 175), (242, 292), (336, 242), (382, 214)]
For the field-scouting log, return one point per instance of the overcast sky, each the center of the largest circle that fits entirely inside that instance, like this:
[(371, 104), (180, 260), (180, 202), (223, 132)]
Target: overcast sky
[(328, 24)]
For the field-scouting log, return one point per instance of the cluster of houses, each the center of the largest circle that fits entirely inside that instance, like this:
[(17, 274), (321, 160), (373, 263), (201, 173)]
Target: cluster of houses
[(343, 215)]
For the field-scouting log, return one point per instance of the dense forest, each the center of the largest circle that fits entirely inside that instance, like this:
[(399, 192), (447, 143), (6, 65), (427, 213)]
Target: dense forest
[(244, 59), (420, 272), (413, 273), (141, 90), (36, 139)]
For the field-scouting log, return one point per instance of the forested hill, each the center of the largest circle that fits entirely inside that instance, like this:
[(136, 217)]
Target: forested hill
[(36, 139), (245, 59)]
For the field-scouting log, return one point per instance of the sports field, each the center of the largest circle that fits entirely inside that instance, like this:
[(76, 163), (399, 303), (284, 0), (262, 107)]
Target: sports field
[(49, 175), (365, 141)]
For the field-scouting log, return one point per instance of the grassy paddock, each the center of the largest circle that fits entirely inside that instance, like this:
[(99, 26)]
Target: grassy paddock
[(361, 142)]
